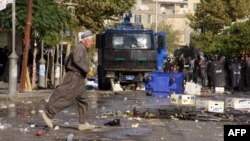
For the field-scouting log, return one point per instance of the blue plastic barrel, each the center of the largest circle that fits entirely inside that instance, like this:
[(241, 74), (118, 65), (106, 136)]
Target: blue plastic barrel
[(176, 83), (161, 84)]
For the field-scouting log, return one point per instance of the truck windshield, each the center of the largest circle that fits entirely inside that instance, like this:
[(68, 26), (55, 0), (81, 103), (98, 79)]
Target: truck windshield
[(129, 41)]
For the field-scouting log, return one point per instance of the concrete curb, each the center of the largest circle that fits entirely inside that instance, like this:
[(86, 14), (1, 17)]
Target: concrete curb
[(31, 96)]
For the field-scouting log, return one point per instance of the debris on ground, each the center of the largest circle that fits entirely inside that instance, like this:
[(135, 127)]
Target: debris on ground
[(40, 133), (192, 88), (24, 130), (56, 127), (191, 113), (238, 103), (5, 126), (115, 122), (136, 125), (70, 137), (208, 118), (32, 111), (3, 106), (12, 105), (216, 106), (179, 99), (116, 87), (32, 125), (219, 90)]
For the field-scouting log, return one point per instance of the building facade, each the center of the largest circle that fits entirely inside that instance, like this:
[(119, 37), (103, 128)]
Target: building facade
[(171, 12)]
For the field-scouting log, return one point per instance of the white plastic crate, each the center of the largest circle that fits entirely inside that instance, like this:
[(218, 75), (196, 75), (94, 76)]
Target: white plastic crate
[(216, 106)]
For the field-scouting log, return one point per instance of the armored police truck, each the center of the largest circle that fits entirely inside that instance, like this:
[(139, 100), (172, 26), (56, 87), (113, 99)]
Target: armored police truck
[(127, 52)]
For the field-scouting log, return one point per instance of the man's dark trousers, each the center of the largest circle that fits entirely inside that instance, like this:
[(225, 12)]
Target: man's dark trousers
[(72, 89)]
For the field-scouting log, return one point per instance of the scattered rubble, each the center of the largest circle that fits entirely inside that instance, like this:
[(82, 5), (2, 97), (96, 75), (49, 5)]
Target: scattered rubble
[(12, 105), (192, 88), (56, 127), (3, 106), (32, 111), (115, 122), (24, 130), (4, 126), (70, 137), (32, 125), (40, 133), (190, 113), (136, 125)]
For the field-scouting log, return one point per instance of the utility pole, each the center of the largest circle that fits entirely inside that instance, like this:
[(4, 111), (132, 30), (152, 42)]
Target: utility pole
[(26, 48), (42, 69), (57, 67), (61, 61), (34, 76), (13, 57), (156, 14)]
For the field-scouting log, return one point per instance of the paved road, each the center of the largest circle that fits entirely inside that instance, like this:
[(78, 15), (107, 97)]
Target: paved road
[(20, 120)]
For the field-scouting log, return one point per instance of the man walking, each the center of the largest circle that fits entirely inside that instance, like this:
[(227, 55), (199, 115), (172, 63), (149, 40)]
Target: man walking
[(72, 89)]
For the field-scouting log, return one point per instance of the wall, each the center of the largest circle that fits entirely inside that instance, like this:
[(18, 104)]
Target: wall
[(169, 11)]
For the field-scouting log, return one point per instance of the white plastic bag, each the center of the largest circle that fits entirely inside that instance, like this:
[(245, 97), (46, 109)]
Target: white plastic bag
[(192, 88)]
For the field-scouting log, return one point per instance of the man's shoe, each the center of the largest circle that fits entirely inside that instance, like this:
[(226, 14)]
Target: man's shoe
[(86, 126), (47, 120)]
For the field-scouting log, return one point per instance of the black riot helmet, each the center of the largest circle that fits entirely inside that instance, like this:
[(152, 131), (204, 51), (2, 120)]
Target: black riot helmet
[(235, 59), (216, 57), (168, 59)]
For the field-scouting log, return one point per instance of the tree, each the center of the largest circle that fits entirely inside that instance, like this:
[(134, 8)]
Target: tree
[(210, 16), (172, 36), (92, 13), (210, 20), (230, 41), (204, 42), (235, 39), (51, 19), (48, 19), (238, 9)]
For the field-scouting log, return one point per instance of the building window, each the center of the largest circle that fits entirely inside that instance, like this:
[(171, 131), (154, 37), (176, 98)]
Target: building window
[(195, 7), (137, 18), (139, 2), (149, 19), (163, 10), (169, 6)]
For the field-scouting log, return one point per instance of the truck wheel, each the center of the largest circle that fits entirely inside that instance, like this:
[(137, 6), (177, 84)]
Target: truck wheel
[(104, 85)]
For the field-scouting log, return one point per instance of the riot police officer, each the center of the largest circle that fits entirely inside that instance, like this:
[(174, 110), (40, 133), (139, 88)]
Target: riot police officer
[(167, 65), (200, 69), (218, 78), (248, 72), (235, 74), (180, 63), (210, 72)]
